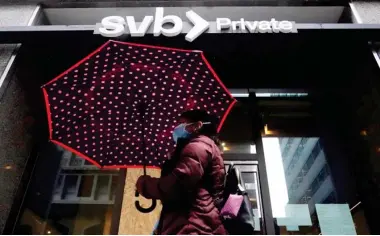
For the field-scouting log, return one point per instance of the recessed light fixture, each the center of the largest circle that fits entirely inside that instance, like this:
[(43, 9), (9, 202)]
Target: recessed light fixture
[(240, 95), (225, 148)]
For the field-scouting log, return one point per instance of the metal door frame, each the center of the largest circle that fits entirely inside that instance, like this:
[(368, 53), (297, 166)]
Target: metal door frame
[(257, 128)]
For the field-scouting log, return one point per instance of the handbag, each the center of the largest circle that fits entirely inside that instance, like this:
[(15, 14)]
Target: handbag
[(237, 221)]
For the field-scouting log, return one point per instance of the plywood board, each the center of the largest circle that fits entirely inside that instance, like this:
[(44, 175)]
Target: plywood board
[(132, 220)]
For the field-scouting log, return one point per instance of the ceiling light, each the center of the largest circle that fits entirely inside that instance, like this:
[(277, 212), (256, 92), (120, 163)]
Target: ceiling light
[(267, 131), (240, 95), (226, 148)]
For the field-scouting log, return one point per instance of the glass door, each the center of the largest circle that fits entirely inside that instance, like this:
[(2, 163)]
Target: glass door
[(250, 176), (240, 149)]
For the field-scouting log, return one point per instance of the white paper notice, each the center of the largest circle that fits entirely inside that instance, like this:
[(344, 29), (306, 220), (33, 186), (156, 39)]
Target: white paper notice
[(296, 215), (256, 219), (335, 219), (292, 228)]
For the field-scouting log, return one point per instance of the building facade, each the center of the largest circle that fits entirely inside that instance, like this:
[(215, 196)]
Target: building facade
[(304, 130)]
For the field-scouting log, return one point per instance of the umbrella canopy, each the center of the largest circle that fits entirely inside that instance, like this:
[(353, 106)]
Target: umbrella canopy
[(118, 106)]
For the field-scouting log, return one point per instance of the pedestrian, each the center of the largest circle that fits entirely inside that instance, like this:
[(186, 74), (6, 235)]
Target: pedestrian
[(192, 179)]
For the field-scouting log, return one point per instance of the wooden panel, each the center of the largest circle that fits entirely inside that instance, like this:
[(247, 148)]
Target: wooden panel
[(108, 221), (133, 221)]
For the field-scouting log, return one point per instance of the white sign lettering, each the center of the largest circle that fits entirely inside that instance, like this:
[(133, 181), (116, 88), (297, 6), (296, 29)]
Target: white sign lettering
[(272, 26), (172, 25), (161, 20)]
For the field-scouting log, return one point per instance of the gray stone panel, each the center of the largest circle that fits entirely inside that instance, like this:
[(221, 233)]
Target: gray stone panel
[(13, 145), (13, 138), (5, 54)]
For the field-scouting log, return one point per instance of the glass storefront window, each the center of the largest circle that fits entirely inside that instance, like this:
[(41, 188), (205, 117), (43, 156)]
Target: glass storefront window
[(304, 194), (299, 179), (78, 200)]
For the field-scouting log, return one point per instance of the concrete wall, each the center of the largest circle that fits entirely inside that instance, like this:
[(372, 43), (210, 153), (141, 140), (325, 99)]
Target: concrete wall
[(14, 120)]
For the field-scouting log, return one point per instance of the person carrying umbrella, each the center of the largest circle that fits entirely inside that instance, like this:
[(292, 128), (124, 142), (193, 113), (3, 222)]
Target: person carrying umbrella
[(192, 179)]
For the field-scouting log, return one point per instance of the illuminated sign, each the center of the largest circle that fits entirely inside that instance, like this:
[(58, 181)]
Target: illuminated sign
[(115, 26)]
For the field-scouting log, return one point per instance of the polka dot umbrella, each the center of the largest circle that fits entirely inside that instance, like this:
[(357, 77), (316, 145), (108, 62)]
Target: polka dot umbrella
[(118, 106)]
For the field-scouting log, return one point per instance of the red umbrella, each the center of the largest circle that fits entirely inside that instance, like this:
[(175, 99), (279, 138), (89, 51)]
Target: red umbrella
[(117, 107)]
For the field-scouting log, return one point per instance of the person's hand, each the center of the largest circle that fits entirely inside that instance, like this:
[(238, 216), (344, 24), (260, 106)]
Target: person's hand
[(140, 184)]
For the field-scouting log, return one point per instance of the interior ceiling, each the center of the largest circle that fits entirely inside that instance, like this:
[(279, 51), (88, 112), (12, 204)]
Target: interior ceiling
[(90, 16)]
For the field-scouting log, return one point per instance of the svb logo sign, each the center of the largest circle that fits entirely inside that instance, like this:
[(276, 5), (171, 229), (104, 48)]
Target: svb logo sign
[(115, 26)]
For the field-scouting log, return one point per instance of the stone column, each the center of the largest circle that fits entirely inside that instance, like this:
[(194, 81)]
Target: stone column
[(13, 118)]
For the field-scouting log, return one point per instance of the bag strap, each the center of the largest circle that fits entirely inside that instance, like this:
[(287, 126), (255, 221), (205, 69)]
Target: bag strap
[(239, 183)]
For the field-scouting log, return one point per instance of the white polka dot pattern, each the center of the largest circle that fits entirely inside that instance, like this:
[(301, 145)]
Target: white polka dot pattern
[(119, 105)]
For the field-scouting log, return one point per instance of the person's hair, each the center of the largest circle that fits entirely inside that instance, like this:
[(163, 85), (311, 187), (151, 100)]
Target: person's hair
[(210, 129)]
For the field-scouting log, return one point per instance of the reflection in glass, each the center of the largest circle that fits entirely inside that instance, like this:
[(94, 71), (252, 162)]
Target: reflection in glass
[(79, 202), (298, 173), (85, 187), (306, 170)]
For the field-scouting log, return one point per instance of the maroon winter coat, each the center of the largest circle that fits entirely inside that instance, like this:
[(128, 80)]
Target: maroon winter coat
[(189, 192)]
